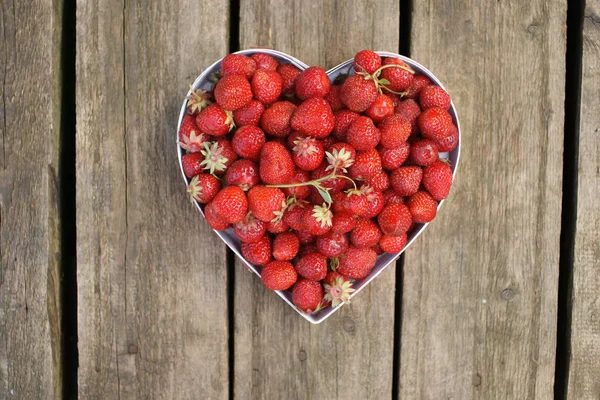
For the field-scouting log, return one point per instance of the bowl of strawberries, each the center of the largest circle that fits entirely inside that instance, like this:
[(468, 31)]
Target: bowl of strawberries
[(317, 180)]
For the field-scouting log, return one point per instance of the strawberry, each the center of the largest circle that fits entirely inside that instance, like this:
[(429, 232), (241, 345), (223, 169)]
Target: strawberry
[(333, 98), (288, 73), (307, 295), (375, 199), (392, 244), (305, 237), (285, 246), (422, 207), (187, 128), (343, 120), (377, 249), (411, 111), (343, 222), (259, 252), (367, 61), (265, 61), (333, 184), (362, 134), (194, 142), (234, 64), (215, 121), (317, 219), (358, 93), (332, 244), (312, 82), (449, 142), (294, 215), (395, 129), (357, 263), (243, 173), (197, 100), (298, 192), (365, 234), (231, 204), (218, 156), (250, 229), (276, 164), (423, 152), (390, 197), (399, 78), (265, 203), (277, 226), (308, 153), (291, 138), (233, 92), (419, 82), (312, 266), (434, 96), (356, 202), (382, 107), (278, 275), (394, 219), (307, 249), (250, 114), (406, 180), (435, 123), (266, 86), (214, 220), (394, 158), (313, 118), (329, 141), (340, 156), (248, 141), (437, 179), (380, 181), (337, 288), (192, 164), (366, 164), (203, 188), (276, 119)]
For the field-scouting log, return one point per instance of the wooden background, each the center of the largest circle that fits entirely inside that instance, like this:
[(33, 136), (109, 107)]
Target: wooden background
[(130, 295)]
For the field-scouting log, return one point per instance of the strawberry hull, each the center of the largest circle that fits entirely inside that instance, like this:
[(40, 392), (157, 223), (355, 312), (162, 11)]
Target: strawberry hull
[(202, 82)]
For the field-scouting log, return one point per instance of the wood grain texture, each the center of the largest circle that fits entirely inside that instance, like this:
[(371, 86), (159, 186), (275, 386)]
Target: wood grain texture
[(584, 370), (277, 353), (480, 286), (151, 276), (30, 332)]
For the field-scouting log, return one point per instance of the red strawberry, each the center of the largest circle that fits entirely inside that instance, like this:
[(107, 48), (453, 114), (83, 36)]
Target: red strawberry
[(419, 82), (390, 196), (367, 61), (243, 173), (265, 61), (218, 156), (215, 121), (392, 244), (366, 233), (382, 107), (358, 93), (333, 184), (307, 249), (288, 73), (395, 219), (197, 100), (313, 118), (380, 181), (362, 134), (411, 111), (312, 82), (356, 263), (333, 98), (423, 152), (190, 137), (332, 244), (394, 158), (340, 156), (343, 222), (435, 123), (233, 92), (366, 164), (203, 188), (328, 141), (250, 229), (276, 164), (285, 246), (317, 219), (437, 179), (395, 129), (259, 252), (265, 203), (422, 207), (406, 180), (375, 199), (305, 237), (278, 275), (356, 202), (449, 142), (248, 141), (434, 96), (307, 295), (276, 119), (299, 192), (294, 215), (337, 288), (250, 114), (277, 226), (231, 204), (312, 266), (308, 153), (399, 78), (192, 164), (266, 86), (343, 120), (214, 220), (238, 64)]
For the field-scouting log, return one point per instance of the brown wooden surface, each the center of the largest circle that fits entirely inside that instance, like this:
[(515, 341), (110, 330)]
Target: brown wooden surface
[(584, 372), (277, 353), (151, 276), (30, 336), (480, 286)]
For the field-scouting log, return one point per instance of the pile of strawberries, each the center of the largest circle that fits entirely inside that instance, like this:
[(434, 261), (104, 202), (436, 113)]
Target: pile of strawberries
[(315, 178)]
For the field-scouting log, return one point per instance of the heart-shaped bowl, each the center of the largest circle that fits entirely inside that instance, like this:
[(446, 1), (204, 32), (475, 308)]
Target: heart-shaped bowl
[(203, 82)]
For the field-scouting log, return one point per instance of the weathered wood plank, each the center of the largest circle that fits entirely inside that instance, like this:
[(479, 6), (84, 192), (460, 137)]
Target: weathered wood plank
[(584, 370), (277, 353), (480, 287), (30, 258), (151, 276)]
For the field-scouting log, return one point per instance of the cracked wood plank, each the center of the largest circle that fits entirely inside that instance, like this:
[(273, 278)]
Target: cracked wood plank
[(152, 277)]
